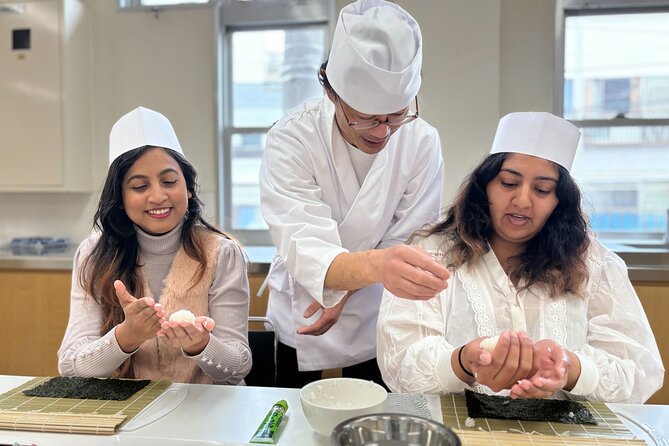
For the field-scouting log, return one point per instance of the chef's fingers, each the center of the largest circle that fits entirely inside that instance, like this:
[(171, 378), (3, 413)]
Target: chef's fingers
[(312, 309), (409, 290), (421, 259), (321, 326), (421, 279), (412, 269)]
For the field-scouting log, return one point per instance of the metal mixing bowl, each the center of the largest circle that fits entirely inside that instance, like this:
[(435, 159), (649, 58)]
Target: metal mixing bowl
[(391, 429)]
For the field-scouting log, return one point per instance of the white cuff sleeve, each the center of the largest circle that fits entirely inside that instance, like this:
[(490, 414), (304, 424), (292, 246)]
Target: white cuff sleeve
[(446, 376), (589, 379)]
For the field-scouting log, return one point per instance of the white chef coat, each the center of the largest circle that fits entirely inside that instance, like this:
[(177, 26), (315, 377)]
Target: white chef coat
[(607, 328), (316, 209)]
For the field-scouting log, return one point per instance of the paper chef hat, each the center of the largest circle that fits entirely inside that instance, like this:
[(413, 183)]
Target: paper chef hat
[(141, 127), (376, 56), (538, 134)]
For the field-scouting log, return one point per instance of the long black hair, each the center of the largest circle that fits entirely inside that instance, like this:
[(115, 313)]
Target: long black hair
[(555, 257)]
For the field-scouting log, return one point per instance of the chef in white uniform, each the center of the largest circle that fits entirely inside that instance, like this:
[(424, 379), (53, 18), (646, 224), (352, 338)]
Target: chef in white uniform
[(345, 180)]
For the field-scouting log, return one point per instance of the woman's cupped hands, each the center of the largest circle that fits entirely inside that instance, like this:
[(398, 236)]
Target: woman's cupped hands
[(528, 368)]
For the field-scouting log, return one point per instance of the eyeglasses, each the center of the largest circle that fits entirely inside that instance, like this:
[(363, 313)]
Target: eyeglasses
[(391, 120)]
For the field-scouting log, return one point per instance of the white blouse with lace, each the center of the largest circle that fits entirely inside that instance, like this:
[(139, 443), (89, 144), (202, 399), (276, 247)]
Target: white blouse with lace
[(607, 328)]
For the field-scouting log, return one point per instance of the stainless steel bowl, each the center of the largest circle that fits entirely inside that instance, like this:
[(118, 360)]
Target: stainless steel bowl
[(391, 429)]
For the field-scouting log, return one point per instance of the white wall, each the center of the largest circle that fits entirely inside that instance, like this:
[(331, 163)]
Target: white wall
[(527, 65), (460, 90), (482, 58), (166, 63)]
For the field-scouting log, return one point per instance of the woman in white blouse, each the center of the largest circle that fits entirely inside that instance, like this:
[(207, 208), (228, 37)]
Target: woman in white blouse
[(525, 267)]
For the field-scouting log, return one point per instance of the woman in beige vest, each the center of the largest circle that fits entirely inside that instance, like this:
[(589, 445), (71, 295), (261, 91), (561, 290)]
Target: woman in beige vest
[(154, 254)]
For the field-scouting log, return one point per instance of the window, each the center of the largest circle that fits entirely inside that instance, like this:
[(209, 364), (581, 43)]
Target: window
[(151, 4), (269, 52), (614, 81)]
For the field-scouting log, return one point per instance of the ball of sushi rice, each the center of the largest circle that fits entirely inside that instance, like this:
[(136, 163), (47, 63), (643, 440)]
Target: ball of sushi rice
[(182, 316), (489, 343)]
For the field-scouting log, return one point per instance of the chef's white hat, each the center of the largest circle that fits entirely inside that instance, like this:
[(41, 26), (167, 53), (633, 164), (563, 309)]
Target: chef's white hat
[(538, 134), (376, 56), (141, 127)]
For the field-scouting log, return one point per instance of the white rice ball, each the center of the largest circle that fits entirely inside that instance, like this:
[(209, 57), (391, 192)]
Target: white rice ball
[(182, 316), (489, 343)]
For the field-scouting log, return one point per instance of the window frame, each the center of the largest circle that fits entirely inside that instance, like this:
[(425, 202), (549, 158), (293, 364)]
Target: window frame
[(137, 4), (251, 16), (571, 8)]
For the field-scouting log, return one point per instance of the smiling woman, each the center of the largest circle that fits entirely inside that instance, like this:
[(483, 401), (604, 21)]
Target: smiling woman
[(154, 255), (155, 195)]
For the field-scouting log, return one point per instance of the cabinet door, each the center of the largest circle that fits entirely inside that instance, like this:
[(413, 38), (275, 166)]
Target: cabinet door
[(655, 300), (35, 308), (31, 148)]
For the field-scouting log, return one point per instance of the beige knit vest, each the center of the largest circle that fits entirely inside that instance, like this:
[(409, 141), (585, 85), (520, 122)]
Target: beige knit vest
[(156, 358)]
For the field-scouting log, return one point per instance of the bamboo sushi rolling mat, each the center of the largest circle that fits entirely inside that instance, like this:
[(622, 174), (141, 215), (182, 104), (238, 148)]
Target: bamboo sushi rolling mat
[(610, 430), (70, 415)]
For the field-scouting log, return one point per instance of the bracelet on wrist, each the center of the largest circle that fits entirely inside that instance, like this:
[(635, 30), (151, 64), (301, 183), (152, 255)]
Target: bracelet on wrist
[(467, 372)]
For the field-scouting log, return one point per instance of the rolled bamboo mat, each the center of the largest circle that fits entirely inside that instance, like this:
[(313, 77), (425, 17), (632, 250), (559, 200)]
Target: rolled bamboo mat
[(610, 430), (70, 415)]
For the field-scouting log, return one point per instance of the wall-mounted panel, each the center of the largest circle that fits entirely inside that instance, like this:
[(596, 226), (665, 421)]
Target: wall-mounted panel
[(31, 141)]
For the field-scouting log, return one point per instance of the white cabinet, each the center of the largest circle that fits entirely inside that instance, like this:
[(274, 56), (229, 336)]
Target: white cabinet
[(45, 124)]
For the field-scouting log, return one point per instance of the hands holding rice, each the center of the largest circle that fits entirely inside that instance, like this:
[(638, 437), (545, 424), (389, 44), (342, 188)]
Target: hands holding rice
[(513, 361), (145, 319)]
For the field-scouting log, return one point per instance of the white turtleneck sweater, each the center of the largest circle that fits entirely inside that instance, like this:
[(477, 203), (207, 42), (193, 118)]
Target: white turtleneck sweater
[(226, 359)]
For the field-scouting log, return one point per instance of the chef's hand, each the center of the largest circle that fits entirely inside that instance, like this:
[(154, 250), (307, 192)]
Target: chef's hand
[(410, 272), (191, 338), (549, 374), (142, 319), (510, 361), (328, 317)]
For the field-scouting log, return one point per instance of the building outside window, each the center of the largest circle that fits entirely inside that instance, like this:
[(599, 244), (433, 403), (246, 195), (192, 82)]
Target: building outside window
[(269, 53), (614, 81)]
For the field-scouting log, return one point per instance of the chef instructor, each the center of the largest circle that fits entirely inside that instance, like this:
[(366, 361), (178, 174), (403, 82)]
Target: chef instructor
[(344, 181)]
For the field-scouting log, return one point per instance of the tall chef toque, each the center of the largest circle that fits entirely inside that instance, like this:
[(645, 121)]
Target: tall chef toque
[(538, 134), (376, 56), (141, 127)]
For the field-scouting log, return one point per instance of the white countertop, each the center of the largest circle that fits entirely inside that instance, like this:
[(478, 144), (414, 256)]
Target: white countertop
[(229, 415), (210, 414)]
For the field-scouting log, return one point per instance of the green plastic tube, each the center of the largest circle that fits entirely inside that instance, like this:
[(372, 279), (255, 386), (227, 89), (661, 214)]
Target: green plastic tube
[(267, 432)]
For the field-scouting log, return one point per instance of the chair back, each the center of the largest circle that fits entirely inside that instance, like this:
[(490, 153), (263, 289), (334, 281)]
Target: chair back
[(264, 344)]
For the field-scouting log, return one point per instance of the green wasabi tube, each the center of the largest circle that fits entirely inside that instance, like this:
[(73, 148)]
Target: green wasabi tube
[(267, 432)]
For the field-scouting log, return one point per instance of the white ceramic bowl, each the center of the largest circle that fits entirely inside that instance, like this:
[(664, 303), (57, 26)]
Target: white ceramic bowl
[(328, 402)]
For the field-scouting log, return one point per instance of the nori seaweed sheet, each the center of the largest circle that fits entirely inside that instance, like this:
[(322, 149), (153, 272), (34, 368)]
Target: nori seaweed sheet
[(526, 409), (88, 388)]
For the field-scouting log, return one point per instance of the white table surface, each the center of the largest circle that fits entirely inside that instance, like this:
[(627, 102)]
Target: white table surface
[(229, 415)]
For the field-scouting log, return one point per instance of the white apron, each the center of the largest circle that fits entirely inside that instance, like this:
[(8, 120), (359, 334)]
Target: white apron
[(316, 209)]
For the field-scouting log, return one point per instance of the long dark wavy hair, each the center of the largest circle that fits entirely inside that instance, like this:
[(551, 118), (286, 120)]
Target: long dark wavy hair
[(116, 254), (554, 258)]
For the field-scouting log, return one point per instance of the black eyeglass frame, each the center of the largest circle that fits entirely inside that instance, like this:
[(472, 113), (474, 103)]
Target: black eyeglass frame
[(369, 124)]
